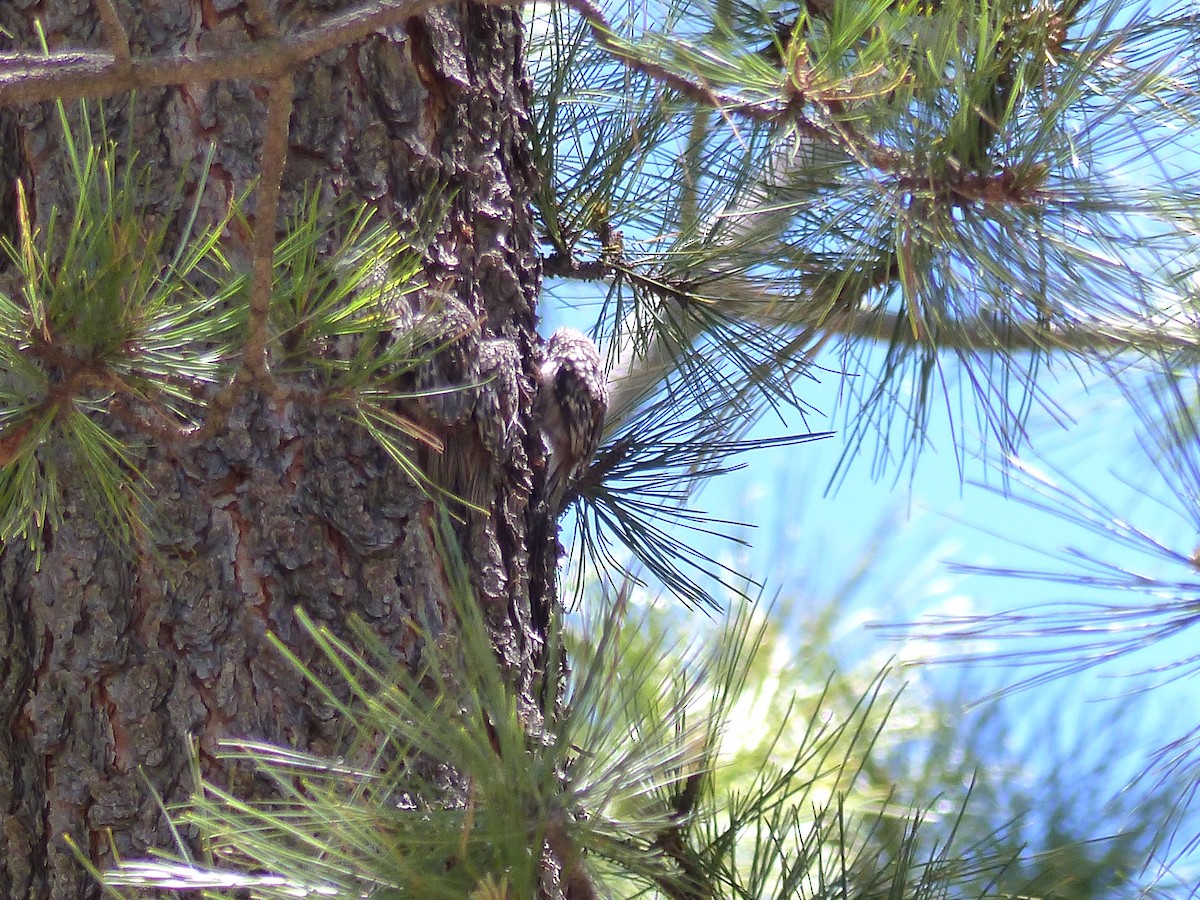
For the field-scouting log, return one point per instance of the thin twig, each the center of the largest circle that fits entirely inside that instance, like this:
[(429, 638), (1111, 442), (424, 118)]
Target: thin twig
[(261, 18), (155, 424), (672, 841), (91, 74), (841, 134), (274, 159), (576, 881), (606, 37), (114, 31), (639, 369), (563, 265)]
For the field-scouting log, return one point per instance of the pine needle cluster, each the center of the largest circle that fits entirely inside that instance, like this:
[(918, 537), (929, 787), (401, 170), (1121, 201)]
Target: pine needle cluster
[(114, 338)]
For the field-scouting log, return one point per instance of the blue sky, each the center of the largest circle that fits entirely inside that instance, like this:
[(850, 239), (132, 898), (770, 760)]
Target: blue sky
[(918, 522), (810, 537)]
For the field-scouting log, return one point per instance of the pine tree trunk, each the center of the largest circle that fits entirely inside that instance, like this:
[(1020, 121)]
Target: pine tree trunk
[(111, 663)]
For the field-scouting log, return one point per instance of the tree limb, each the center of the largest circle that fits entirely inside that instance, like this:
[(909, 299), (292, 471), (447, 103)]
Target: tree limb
[(91, 74), (637, 371)]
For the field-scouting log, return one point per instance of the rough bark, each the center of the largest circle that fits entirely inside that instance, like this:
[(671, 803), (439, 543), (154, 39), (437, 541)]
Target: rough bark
[(110, 662)]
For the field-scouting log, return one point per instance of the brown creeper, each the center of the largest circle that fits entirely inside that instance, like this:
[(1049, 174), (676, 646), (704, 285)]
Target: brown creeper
[(447, 335), (572, 403)]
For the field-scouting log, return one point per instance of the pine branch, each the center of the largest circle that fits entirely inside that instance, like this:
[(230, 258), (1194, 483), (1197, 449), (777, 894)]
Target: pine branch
[(638, 370), (996, 181), (274, 157), (787, 108)]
